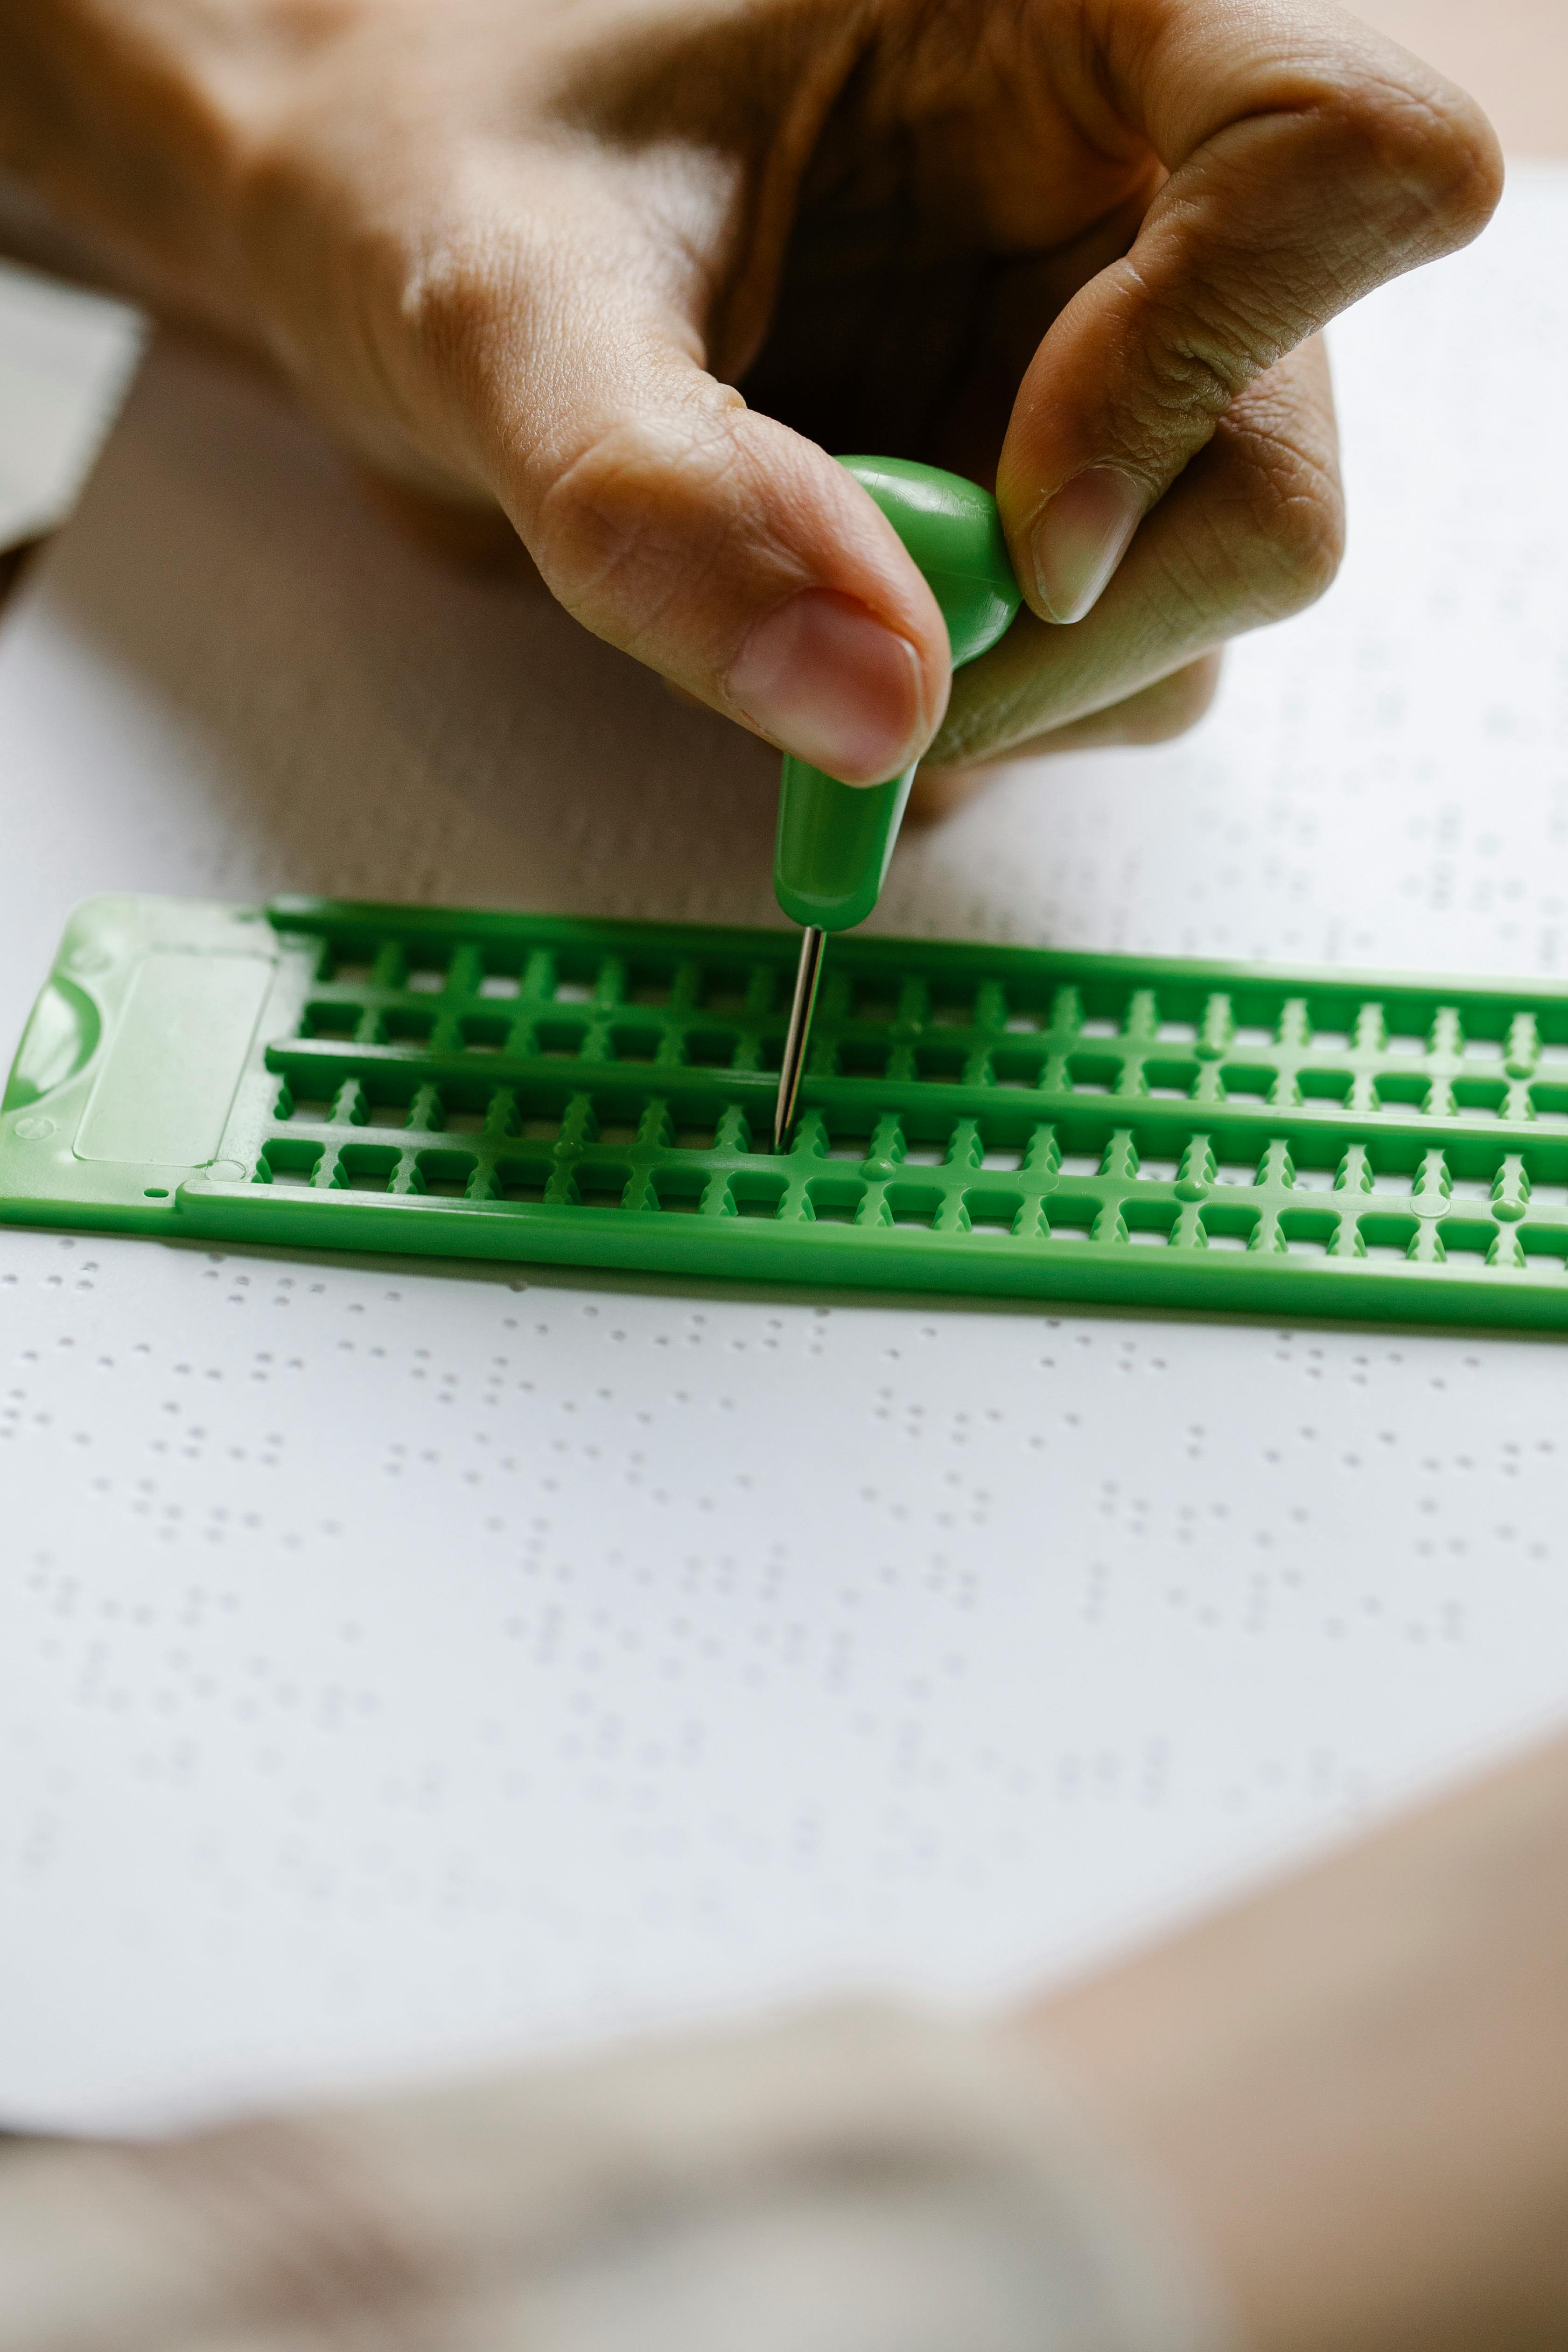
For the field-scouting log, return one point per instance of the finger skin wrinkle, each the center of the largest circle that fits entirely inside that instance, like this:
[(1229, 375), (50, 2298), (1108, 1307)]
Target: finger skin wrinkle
[(1440, 152), (1194, 362), (1263, 551), (1296, 540), (642, 518)]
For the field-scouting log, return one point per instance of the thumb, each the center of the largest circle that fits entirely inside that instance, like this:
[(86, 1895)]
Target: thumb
[(709, 541), (1310, 160)]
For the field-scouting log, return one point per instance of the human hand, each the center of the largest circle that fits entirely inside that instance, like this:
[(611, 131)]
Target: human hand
[(523, 253), (1352, 2086)]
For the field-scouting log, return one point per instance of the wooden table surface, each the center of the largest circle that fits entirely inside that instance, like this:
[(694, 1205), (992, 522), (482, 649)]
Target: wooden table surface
[(1513, 55)]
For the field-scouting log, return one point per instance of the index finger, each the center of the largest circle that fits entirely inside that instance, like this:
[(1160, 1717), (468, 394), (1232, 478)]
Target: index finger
[(1310, 160)]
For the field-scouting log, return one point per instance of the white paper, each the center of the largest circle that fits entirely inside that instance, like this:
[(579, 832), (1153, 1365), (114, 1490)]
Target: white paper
[(66, 358), (400, 1666)]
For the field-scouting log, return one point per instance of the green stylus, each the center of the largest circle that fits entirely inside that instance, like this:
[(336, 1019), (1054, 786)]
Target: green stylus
[(834, 841)]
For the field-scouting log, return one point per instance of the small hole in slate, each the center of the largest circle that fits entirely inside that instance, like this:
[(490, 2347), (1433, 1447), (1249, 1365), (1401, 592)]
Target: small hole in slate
[(291, 1163), (1006, 1155), (562, 1039), (1017, 1066), (521, 1180), (1388, 1236), (464, 1122), (1229, 1240), (1175, 1079), (484, 1034), (1150, 1235), (941, 1064), (1230, 1228), (1252, 1033), (1256, 1084), (1158, 1171), (925, 1155), (696, 1139), (1313, 1180), (753, 1196), (1471, 1241), (499, 984), (849, 1146), (1099, 1026), (601, 1188), (1331, 1041), (1473, 1188), (1177, 1033), (858, 1058), (1080, 1163), (679, 1190), (912, 1207), (992, 1213), (341, 1021), (710, 1049), (1307, 1233), (634, 1044), (1236, 1171), (723, 992), (353, 972), (445, 1173), (406, 1027), (1405, 1045), (1325, 1085), (1483, 1049), (873, 1002), (426, 981), (387, 1104), (1071, 1218), (646, 984), (314, 1109), (1479, 1098), (363, 1169), (573, 991), (953, 1012), (836, 1203), (620, 1134)]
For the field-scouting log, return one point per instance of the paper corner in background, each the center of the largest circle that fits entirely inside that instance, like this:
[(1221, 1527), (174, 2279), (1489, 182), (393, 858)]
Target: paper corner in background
[(67, 357)]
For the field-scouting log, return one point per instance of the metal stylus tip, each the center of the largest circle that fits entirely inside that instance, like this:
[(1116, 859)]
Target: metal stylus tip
[(807, 973)]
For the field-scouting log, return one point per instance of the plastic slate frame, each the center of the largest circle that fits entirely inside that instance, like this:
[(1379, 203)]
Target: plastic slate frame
[(975, 1120)]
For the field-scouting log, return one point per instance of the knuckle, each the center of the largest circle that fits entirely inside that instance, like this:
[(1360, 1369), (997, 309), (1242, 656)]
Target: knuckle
[(1196, 351), (1295, 521), (1175, 705), (1429, 153), (1195, 356), (640, 516), (450, 300)]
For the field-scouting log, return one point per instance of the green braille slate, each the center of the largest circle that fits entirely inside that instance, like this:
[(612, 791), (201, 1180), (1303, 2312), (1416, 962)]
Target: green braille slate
[(975, 1119)]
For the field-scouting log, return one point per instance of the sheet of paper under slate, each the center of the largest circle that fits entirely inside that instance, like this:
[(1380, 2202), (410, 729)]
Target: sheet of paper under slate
[(399, 1664)]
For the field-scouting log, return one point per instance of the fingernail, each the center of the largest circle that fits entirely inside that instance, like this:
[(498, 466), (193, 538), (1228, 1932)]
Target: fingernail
[(1080, 536), (834, 687)]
